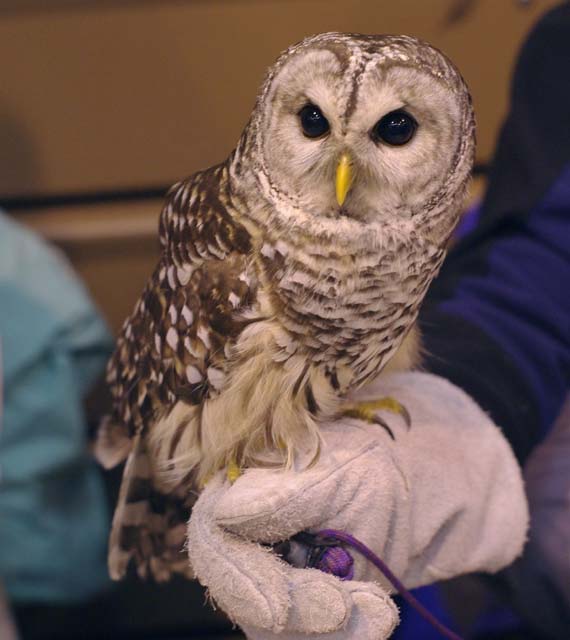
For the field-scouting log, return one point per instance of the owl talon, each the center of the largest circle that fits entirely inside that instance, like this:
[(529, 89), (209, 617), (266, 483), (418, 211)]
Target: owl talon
[(367, 411), (385, 426), (392, 405), (406, 416)]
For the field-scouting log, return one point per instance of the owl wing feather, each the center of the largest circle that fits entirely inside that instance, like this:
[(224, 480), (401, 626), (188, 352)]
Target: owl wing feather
[(174, 347)]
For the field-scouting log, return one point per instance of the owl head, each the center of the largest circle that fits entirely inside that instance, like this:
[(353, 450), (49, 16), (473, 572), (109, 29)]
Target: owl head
[(366, 129)]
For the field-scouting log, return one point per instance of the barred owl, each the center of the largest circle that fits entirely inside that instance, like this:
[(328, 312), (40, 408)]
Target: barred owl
[(290, 274)]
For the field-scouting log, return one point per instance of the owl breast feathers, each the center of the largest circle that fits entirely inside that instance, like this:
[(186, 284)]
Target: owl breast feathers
[(290, 274)]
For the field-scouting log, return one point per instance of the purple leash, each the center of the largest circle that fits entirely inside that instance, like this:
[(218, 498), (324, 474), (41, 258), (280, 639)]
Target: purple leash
[(326, 553)]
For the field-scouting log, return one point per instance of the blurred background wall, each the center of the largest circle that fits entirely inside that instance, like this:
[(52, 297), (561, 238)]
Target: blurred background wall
[(104, 104)]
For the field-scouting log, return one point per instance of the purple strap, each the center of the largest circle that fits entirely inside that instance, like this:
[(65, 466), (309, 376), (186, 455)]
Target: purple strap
[(351, 541)]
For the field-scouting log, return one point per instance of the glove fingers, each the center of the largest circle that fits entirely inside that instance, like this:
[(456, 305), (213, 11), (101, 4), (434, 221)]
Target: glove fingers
[(253, 586), (320, 603), (373, 616), (248, 582)]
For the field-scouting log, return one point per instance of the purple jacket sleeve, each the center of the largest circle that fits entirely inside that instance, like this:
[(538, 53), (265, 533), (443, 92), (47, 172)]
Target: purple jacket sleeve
[(497, 320)]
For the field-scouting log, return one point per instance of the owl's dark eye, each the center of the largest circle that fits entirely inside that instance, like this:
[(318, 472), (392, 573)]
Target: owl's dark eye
[(313, 122), (395, 128)]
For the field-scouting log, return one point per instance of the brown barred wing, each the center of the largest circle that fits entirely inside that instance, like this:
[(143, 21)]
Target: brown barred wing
[(174, 348), (173, 345)]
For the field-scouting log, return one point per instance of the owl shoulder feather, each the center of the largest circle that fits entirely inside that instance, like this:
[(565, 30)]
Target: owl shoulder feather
[(174, 344)]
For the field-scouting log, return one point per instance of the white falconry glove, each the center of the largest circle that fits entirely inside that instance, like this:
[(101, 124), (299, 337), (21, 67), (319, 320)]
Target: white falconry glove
[(444, 498)]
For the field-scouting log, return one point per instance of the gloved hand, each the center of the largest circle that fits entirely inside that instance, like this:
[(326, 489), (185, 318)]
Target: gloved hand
[(445, 498)]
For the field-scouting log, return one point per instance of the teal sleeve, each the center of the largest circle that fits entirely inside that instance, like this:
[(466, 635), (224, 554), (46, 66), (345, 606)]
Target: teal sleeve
[(53, 517)]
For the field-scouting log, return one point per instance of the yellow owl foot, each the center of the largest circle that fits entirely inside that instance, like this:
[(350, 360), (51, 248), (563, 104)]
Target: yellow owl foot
[(368, 411), (233, 471)]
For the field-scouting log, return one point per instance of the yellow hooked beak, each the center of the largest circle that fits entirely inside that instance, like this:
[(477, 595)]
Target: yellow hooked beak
[(343, 178)]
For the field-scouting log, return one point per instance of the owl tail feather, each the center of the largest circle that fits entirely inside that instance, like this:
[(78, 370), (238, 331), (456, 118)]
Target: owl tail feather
[(149, 526), (112, 443)]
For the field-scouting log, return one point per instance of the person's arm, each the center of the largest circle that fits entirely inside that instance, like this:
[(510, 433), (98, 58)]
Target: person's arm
[(497, 320)]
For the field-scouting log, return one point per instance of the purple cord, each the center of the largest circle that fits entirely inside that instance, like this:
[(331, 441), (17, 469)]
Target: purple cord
[(351, 541)]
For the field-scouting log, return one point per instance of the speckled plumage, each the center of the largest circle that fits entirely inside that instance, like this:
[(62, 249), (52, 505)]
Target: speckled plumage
[(270, 301)]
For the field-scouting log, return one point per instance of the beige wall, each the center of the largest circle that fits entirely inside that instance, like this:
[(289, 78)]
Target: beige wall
[(114, 94), (113, 247), (135, 93)]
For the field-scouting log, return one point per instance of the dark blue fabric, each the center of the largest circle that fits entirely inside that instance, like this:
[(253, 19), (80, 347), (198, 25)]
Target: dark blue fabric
[(413, 626), (522, 299)]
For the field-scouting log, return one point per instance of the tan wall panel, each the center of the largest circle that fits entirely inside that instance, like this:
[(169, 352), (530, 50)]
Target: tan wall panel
[(138, 94), (113, 247)]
